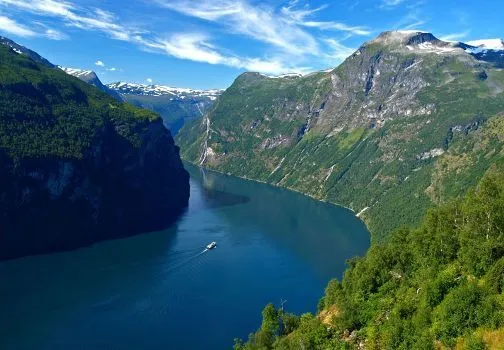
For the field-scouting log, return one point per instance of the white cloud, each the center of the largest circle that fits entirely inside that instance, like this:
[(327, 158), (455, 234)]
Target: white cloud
[(413, 19), (299, 17), (196, 47), (191, 46), (300, 14), (80, 18), (337, 26), (454, 36), (283, 30), (339, 51), (12, 27), (149, 80), (258, 22), (388, 4), (414, 25), (55, 34), (99, 63), (112, 69)]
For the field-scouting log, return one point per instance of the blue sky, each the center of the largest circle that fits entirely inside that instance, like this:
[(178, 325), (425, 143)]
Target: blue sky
[(207, 43)]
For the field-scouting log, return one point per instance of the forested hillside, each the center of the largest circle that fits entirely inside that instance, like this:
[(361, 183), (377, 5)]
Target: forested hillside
[(438, 286)]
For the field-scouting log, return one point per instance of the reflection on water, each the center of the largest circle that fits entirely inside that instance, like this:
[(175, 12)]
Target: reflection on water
[(216, 198), (148, 291)]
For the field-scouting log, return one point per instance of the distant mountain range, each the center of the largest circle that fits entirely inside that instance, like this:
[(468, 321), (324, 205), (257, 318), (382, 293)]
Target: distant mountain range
[(161, 90), (175, 105)]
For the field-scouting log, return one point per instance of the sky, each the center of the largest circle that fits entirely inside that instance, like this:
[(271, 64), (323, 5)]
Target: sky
[(206, 44)]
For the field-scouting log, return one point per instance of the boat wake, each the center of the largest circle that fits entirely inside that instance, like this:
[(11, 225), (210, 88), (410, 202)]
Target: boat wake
[(185, 262)]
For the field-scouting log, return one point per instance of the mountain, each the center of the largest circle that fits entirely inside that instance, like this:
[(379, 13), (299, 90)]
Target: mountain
[(76, 165), (175, 105), (405, 122), (21, 50), (91, 78), (490, 50)]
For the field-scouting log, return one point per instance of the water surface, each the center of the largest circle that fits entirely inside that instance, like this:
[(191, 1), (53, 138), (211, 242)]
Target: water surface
[(161, 290)]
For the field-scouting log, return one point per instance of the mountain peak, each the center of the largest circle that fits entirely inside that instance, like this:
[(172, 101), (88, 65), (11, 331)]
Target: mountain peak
[(91, 78), (21, 50), (406, 37)]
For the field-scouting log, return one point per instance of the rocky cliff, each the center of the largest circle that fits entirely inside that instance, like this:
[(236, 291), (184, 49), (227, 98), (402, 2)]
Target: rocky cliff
[(77, 166)]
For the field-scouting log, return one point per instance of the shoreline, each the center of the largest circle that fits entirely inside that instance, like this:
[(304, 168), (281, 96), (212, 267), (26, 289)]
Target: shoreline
[(358, 215)]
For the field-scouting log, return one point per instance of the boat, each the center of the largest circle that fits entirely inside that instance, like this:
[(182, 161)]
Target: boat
[(211, 245)]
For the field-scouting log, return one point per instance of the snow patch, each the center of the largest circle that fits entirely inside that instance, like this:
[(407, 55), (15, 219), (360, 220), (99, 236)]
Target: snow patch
[(162, 90), (79, 73)]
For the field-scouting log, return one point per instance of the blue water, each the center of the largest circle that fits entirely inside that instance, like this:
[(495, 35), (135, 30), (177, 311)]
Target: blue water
[(162, 290)]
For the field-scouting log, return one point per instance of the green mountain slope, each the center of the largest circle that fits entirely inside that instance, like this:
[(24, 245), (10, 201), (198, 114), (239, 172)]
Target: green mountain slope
[(76, 165), (439, 286), (377, 134)]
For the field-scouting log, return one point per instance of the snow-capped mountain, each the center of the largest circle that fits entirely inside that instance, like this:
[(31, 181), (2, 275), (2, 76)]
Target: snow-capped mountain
[(175, 105), (91, 78), (87, 75), (489, 50), (487, 44), (161, 90)]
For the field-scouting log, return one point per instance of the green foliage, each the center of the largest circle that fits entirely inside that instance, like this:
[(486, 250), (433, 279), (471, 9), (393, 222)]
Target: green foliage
[(45, 112), (437, 284), (475, 343)]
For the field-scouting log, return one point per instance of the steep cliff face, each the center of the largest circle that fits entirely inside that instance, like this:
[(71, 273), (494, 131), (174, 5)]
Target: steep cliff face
[(370, 134), (76, 166)]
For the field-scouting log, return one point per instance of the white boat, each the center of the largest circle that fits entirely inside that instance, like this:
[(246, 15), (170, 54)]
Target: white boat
[(211, 245)]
